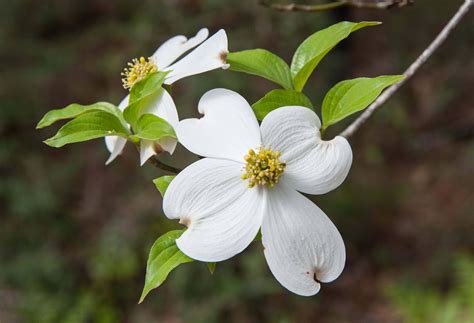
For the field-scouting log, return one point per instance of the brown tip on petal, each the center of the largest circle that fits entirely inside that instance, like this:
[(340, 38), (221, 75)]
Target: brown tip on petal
[(157, 148), (223, 56), (315, 276), (185, 221)]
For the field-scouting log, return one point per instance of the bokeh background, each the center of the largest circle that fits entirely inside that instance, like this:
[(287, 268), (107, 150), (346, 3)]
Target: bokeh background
[(75, 234)]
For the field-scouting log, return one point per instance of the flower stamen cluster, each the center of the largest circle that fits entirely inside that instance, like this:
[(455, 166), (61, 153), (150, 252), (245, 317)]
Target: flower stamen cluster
[(137, 70), (263, 167)]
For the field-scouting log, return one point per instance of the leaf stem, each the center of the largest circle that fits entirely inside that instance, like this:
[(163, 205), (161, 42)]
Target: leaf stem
[(414, 67), (159, 164)]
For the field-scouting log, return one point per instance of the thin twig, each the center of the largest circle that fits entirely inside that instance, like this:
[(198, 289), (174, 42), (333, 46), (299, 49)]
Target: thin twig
[(372, 4), (379, 4), (304, 7), (159, 164), (167, 168), (443, 35)]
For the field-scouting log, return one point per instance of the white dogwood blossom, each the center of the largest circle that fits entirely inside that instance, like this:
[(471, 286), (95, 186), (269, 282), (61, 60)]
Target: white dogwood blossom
[(210, 54), (251, 179)]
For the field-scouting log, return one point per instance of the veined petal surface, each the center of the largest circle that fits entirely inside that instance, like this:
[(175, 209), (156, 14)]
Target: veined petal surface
[(210, 55), (313, 165), (301, 244), (228, 129), (174, 47), (222, 214)]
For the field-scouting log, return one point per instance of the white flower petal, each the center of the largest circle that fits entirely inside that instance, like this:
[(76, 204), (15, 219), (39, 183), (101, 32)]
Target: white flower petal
[(116, 144), (228, 129), (222, 214), (210, 55), (168, 144), (314, 166), (173, 48), (165, 108), (302, 245), (162, 106), (147, 149)]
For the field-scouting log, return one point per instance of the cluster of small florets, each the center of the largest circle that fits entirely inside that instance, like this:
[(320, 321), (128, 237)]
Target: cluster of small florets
[(263, 167), (137, 70)]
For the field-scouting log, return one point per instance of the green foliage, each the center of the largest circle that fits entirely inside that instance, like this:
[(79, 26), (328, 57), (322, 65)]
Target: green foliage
[(348, 97), (74, 110), (419, 304), (104, 119), (262, 63), (88, 126), (164, 257), (277, 99), (113, 258), (152, 127), (212, 267), (141, 95), (149, 85), (314, 48), (162, 183)]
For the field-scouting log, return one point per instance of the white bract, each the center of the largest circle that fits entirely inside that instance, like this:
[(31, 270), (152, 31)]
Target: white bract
[(250, 180), (211, 54)]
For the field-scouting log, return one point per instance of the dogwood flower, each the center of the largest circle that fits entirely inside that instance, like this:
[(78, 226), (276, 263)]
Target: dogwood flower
[(211, 54), (251, 179)]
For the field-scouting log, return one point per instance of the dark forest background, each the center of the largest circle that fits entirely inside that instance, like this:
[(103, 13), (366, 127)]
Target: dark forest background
[(75, 234)]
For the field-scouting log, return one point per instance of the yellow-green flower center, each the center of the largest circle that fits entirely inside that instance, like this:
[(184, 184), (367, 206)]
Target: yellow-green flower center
[(137, 70), (263, 167)]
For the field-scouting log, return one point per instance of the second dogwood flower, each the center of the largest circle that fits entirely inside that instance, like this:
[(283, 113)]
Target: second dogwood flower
[(209, 55)]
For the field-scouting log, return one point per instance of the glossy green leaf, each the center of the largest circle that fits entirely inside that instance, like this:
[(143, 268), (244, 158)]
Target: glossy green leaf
[(147, 86), (74, 110), (279, 98), (262, 63), (162, 183), (163, 258), (314, 48), (88, 126), (152, 127), (212, 267), (348, 97), (142, 95)]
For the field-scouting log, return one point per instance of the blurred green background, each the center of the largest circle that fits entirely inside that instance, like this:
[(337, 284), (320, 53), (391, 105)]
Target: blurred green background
[(75, 234)]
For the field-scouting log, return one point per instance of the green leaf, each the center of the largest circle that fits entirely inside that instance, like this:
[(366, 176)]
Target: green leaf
[(74, 110), (88, 126), (164, 257), (212, 267), (262, 63), (315, 47), (162, 183), (279, 98), (149, 85), (258, 237), (348, 97), (142, 95), (152, 127)]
